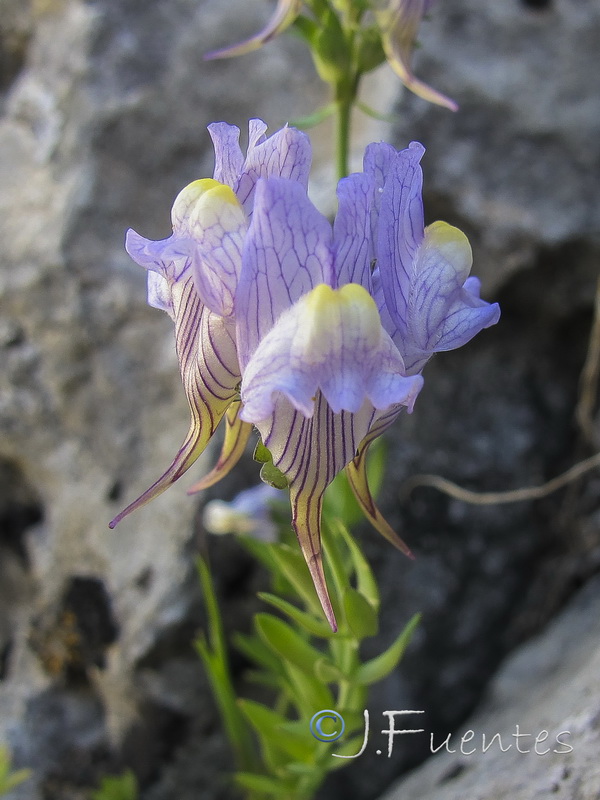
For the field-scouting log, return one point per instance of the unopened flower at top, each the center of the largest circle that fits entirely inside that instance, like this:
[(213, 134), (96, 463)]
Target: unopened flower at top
[(397, 24), (323, 330), (284, 15)]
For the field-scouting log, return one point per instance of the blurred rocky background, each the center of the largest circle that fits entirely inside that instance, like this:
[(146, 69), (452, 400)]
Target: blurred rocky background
[(103, 112)]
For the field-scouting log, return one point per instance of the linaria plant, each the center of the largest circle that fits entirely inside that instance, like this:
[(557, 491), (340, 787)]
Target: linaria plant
[(314, 334), (316, 678)]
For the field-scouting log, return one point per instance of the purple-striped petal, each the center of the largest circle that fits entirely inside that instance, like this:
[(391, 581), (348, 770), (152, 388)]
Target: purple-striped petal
[(285, 154), (332, 341), (210, 374), (219, 224), (229, 159), (236, 437), (400, 229), (287, 252), (353, 242), (310, 453), (443, 309), (167, 261), (465, 315), (170, 257), (159, 293)]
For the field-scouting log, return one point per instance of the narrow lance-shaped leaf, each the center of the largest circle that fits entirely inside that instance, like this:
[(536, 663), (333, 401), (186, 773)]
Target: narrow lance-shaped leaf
[(270, 726), (378, 668), (286, 642), (366, 583), (213, 653), (360, 614), (310, 623)]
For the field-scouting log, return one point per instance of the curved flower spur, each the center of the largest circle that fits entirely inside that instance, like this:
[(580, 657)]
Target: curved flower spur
[(325, 330)]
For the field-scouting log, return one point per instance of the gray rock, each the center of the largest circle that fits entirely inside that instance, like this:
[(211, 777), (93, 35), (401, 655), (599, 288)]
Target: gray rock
[(518, 163), (543, 709)]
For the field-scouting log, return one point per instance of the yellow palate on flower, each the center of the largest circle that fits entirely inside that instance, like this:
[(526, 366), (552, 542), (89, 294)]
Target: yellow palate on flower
[(450, 243), (331, 314), (207, 202)]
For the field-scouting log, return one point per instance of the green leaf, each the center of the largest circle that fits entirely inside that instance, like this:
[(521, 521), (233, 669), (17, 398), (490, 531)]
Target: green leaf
[(310, 120), (339, 502), (214, 656), (13, 780), (273, 476), (378, 668), (117, 787), (261, 783), (292, 566), (367, 585), (261, 551), (360, 614), (270, 727), (370, 49), (371, 112), (349, 748), (306, 28), (256, 650), (328, 672), (9, 780), (261, 453), (269, 473), (308, 693), (288, 644), (336, 561), (330, 52), (311, 624), (376, 465), (273, 682)]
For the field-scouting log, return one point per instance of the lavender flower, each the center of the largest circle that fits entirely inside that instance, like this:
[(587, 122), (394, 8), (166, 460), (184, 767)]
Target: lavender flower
[(193, 276), (325, 328), (248, 514)]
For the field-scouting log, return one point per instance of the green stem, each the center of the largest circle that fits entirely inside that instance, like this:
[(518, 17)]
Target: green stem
[(214, 655), (343, 114)]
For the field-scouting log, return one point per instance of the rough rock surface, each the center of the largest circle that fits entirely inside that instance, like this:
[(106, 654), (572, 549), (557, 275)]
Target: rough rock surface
[(518, 163), (544, 705), (103, 106)]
